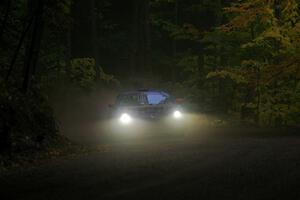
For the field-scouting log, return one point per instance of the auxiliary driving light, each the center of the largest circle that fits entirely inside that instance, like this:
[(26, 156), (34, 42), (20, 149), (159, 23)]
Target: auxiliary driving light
[(177, 114), (125, 118)]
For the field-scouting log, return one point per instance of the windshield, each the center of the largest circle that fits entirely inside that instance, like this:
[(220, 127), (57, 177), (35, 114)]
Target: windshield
[(131, 100), (136, 99), (156, 98)]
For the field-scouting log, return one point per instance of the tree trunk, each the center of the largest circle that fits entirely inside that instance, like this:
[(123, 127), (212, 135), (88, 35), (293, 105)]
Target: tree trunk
[(36, 8), (134, 38), (147, 36), (140, 39), (258, 91), (20, 43), (83, 33), (174, 43), (95, 38), (84, 36), (7, 119), (5, 18), (277, 9)]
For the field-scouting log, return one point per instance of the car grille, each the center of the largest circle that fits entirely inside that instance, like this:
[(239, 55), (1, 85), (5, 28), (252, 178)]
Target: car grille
[(151, 112)]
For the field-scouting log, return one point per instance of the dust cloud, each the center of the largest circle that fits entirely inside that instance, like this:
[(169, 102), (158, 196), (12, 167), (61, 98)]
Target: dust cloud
[(85, 118)]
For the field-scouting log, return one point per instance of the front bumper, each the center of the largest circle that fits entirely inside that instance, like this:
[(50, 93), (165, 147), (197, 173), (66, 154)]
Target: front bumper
[(148, 126)]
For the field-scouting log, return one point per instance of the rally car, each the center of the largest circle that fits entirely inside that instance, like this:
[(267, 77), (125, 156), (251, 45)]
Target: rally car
[(143, 108)]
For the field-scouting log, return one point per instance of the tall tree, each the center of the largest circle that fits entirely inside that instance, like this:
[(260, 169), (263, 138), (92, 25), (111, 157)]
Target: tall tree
[(36, 12), (141, 37), (4, 21), (269, 29), (83, 33)]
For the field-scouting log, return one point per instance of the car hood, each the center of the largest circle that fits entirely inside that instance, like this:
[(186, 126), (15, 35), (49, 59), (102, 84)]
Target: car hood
[(147, 111)]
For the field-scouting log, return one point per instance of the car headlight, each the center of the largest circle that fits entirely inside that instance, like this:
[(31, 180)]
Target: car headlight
[(177, 114), (125, 118)]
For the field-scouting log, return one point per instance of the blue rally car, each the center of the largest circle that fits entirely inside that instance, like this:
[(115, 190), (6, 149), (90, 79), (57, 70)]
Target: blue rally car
[(146, 107)]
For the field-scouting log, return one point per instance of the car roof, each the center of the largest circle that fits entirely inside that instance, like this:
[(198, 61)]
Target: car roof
[(145, 91)]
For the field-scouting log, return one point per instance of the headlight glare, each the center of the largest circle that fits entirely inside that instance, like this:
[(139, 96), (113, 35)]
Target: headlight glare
[(125, 118), (177, 114)]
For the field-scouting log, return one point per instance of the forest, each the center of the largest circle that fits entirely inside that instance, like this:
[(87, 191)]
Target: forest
[(235, 58)]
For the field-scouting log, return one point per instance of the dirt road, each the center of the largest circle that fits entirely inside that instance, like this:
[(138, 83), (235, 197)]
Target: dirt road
[(248, 167)]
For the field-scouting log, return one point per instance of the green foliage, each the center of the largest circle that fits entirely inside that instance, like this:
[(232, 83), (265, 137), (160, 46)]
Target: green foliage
[(248, 66), (189, 63), (186, 32), (108, 79), (83, 72), (227, 74), (268, 64)]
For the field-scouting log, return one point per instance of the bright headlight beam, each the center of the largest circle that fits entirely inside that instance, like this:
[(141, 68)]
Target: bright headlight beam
[(177, 114), (125, 118)]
